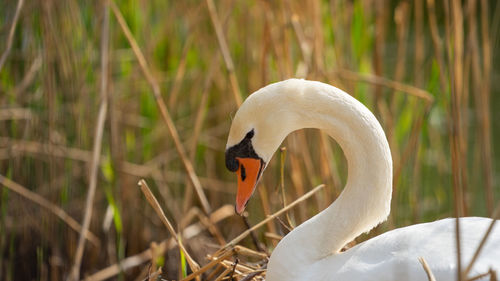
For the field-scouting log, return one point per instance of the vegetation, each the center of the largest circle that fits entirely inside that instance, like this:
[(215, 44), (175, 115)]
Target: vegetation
[(96, 95)]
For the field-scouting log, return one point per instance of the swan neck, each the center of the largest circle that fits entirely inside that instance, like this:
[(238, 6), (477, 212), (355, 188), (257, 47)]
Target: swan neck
[(365, 200)]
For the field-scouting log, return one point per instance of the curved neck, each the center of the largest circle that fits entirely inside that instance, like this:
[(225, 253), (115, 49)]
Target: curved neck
[(365, 200)]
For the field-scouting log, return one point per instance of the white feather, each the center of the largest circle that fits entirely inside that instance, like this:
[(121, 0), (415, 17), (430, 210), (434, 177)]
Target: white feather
[(312, 250)]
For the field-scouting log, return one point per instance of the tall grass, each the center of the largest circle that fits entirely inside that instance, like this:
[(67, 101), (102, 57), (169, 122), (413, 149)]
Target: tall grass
[(86, 106)]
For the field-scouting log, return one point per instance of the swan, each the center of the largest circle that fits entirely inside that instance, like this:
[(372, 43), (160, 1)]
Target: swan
[(312, 250)]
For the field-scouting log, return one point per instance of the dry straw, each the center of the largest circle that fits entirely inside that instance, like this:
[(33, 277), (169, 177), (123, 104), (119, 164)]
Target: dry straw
[(96, 153), (12, 29)]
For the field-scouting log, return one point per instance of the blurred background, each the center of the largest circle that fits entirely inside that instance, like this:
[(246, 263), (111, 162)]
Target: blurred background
[(96, 95)]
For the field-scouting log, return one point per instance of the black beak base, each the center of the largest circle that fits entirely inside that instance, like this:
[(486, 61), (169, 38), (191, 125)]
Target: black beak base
[(243, 149)]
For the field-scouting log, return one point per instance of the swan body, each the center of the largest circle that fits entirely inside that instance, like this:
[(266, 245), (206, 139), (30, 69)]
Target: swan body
[(394, 255), (312, 250)]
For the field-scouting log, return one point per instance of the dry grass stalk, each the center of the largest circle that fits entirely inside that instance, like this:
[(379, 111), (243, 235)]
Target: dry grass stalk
[(15, 114), (127, 263), (495, 217), (200, 116), (329, 167), (223, 274), (187, 217), (249, 252), (237, 267), (167, 244), (454, 31), (240, 237), (103, 108), (282, 183), (379, 46), (156, 206), (214, 272), (297, 173), (155, 275), (273, 236), (11, 34), (303, 149), (472, 62), (181, 69), (419, 42), (16, 148), (401, 19), (273, 35), (253, 236), (302, 68), (51, 207), (428, 271), (252, 275), (484, 109), (438, 45), (319, 42), (20, 147), (29, 77), (491, 273), (209, 265), (209, 225), (264, 199), (163, 109), (412, 146), (225, 51), (373, 79)]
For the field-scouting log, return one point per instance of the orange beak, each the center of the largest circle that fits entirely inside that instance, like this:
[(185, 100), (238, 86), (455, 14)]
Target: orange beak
[(248, 174)]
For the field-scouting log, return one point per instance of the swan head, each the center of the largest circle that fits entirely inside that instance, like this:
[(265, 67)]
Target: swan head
[(248, 165), (257, 130)]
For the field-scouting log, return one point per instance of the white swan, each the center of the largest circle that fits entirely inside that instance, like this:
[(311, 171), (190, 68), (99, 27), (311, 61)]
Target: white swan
[(312, 250)]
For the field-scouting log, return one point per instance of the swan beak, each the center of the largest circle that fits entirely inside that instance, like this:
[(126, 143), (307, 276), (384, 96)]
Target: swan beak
[(248, 174)]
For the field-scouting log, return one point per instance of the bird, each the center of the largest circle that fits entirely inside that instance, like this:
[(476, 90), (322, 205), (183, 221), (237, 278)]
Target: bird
[(312, 250)]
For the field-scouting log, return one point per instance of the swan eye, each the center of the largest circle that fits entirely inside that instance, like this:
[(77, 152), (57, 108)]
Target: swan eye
[(243, 173)]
